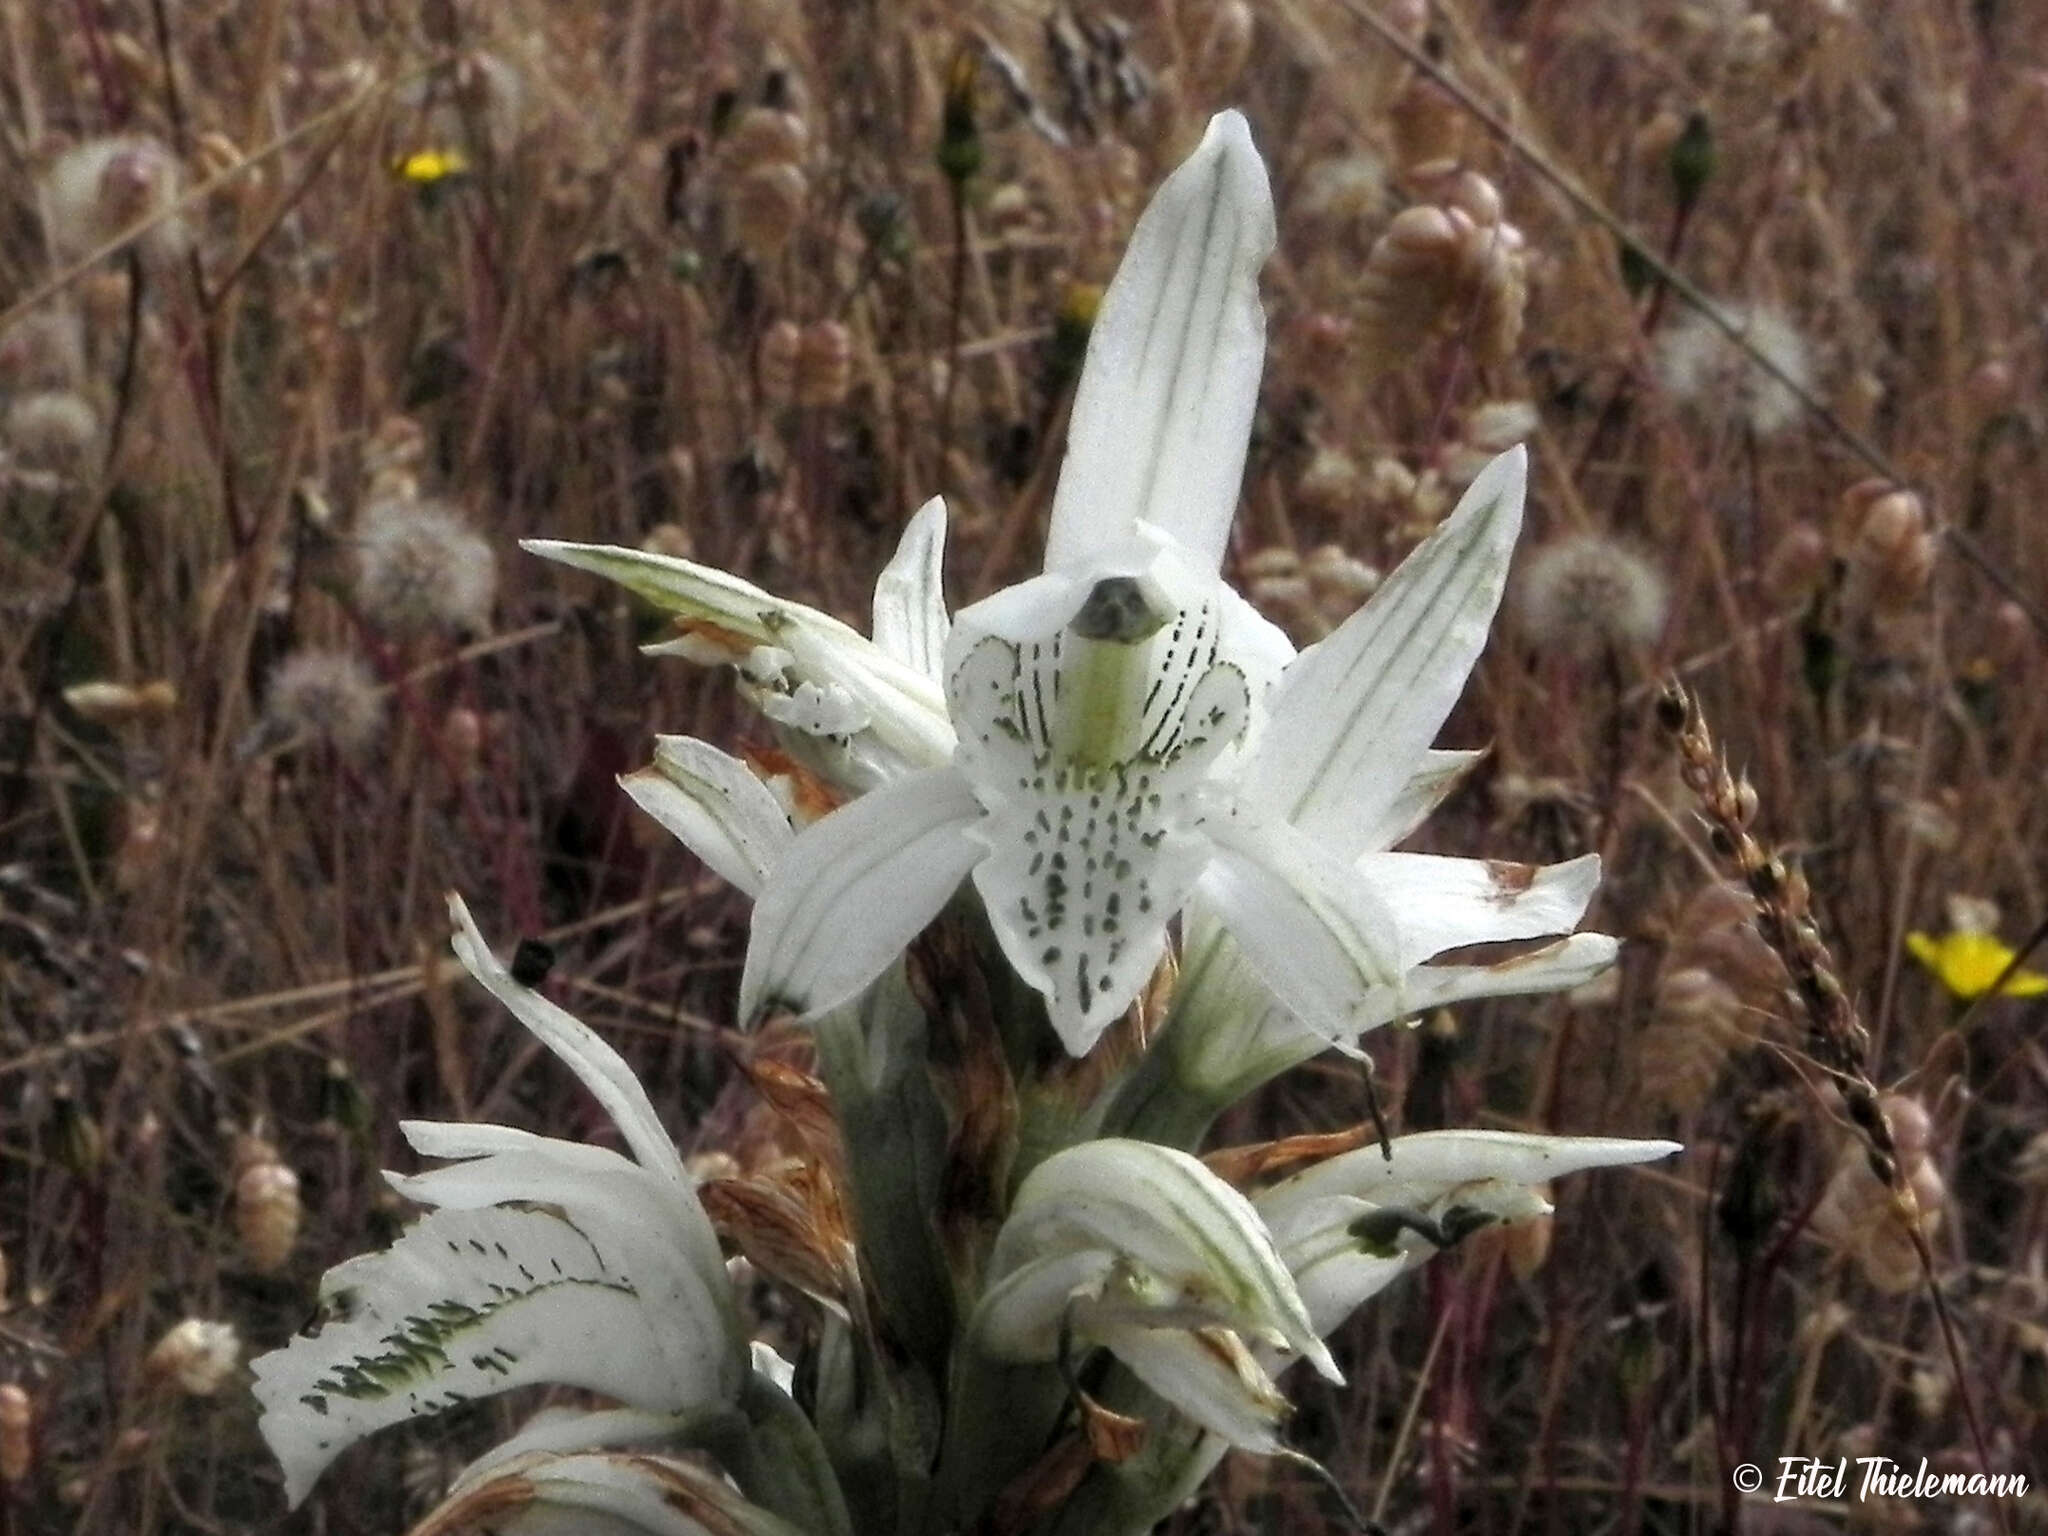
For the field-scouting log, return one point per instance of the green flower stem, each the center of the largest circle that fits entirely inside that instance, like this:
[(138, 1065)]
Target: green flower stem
[(1159, 1102), (1000, 1416), (780, 1463), (1131, 1497), (872, 1057)]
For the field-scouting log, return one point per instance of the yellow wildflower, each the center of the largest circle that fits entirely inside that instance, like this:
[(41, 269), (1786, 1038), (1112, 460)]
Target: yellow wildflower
[(1969, 963), (427, 167)]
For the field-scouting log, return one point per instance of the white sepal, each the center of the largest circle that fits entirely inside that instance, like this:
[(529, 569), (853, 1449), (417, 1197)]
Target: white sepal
[(1163, 412), (855, 888), (1448, 903), (727, 619), (1355, 713), (715, 806), (596, 1065), (910, 622), (1315, 1215)]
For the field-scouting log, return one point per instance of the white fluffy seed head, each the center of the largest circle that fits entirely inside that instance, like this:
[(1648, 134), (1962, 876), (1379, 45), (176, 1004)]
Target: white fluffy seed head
[(1699, 364), (197, 1355), (420, 568), (44, 350), (53, 430), (327, 695), (97, 190), (1586, 595)]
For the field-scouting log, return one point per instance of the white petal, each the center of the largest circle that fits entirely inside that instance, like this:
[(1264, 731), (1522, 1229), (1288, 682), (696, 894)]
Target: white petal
[(854, 889), (910, 598), (1335, 1274), (1555, 967), (1317, 937), (1355, 712), (715, 806), (465, 1304), (1208, 1377), (1445, 903), (597, 1066), (1163, 411)]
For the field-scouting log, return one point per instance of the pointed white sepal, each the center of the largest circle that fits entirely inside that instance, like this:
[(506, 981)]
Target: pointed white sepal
[(910, 622), (1355, 713), (849, 677), (712, 803), (1322, 1218), (854, 889), (1449, 903), (1163, 412)]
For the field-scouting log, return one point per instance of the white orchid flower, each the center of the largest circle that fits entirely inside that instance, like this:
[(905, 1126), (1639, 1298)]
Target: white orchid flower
[(1095, 702), (1119, 757), (859, 710), (1132, 738), (1349, 1226), (541, 1261), (1140, 1249)]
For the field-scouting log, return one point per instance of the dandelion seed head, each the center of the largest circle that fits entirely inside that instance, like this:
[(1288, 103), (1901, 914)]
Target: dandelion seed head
[(197, 1355), (420, 568), (102, 187), (327, 695), (53, 430), (43, 351), (1587, 594), (1700, 365)]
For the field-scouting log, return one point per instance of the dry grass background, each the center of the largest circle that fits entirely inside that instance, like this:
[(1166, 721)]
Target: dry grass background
[(698, 284)]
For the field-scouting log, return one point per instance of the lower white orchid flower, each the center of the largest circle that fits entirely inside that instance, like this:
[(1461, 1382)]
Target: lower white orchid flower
[(1140, 1249), (1349, 1226), (541, 1261)]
